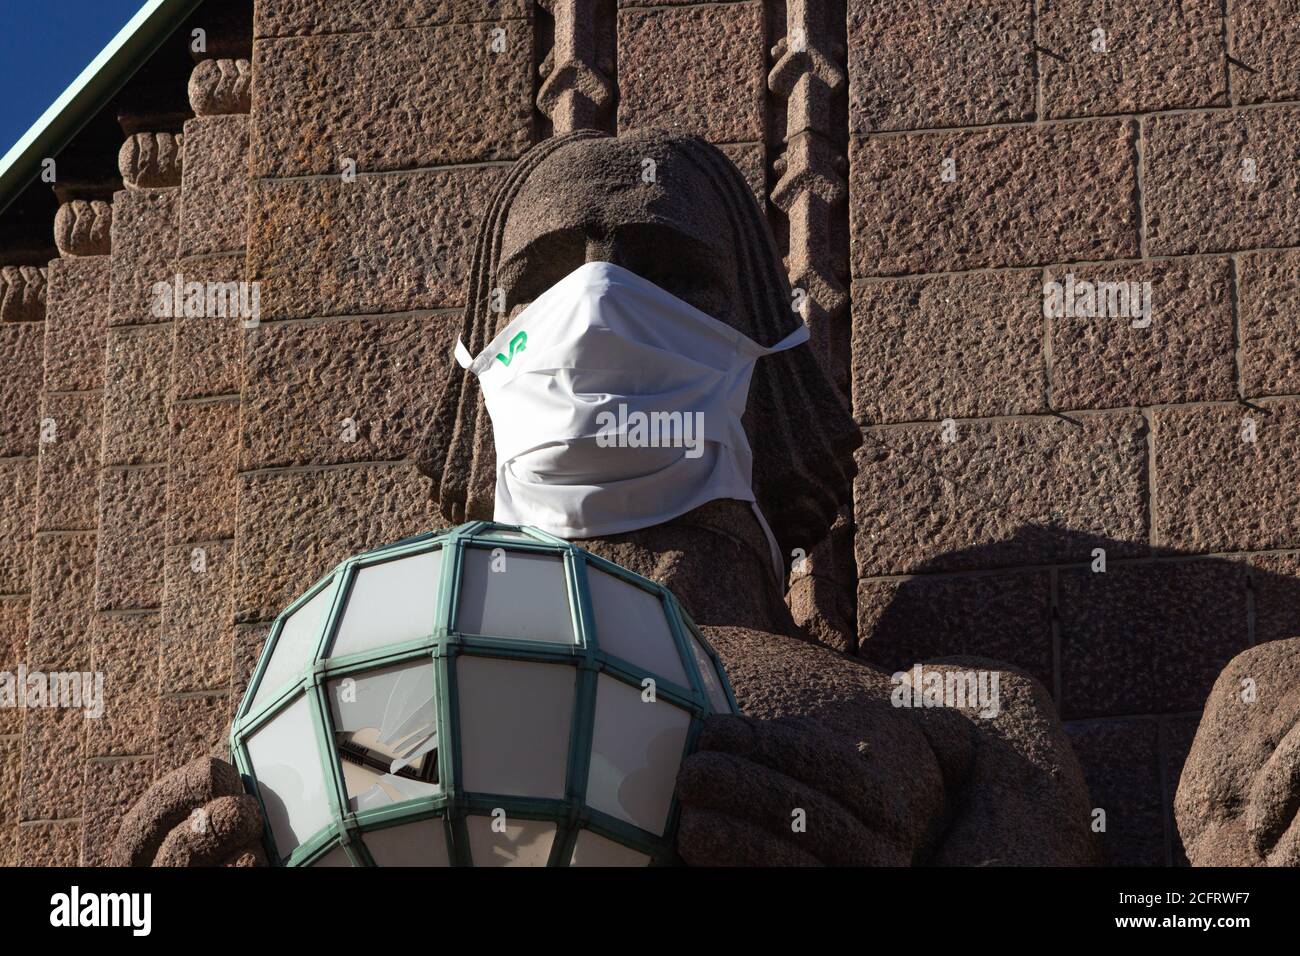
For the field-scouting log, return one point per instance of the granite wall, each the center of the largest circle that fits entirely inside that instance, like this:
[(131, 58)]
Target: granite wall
[(929, 167)]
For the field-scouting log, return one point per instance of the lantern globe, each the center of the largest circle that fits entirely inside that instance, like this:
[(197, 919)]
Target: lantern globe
[(490, 695)]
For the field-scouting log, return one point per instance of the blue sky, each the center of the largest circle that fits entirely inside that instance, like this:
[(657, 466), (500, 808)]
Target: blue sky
[(43, 46)]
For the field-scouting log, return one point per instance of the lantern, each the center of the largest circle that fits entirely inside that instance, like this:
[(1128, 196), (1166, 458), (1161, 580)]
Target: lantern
[(490, 695)]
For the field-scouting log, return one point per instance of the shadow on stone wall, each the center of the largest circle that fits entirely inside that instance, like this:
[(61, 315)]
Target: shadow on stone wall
[(1129, 653)]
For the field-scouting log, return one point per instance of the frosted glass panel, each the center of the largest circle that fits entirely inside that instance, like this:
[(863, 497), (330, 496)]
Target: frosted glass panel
[(526, 596), (411, 844), (635, 753), (335, 857), (390, 603), (511, 535), (294, 647), (385, 727), (630, 623), (514, 725), (287, 766), (712, 684), (592, 849), (524, 842)]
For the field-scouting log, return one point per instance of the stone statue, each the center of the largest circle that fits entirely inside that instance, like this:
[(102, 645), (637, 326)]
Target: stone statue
[(823, 767), (1239, 793)]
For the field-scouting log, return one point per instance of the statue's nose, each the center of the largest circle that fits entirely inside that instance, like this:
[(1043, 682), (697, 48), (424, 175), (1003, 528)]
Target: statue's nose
[(605, 249)]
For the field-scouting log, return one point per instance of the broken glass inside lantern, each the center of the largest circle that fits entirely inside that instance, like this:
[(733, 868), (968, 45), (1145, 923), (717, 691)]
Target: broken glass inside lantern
[(385, 729)]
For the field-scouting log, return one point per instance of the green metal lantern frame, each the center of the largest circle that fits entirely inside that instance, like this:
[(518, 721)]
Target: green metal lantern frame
[(452, 803)]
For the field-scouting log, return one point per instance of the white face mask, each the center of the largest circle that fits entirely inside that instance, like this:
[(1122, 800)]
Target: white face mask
[(617, 406)]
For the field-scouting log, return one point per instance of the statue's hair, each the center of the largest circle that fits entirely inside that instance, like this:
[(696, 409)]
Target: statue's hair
[(800, 432)]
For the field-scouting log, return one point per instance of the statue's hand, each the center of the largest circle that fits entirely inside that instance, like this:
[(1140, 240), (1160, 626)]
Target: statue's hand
[(197, 815), (1238, 798), (786, 792), (1272, 814)]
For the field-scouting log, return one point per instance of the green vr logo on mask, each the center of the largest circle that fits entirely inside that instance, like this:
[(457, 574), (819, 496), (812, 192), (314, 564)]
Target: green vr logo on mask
[(518, 344)]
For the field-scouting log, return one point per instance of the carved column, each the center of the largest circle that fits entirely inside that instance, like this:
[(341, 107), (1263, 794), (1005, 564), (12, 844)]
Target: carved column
[(22, 324), (199, 651), (812, 189), (577, 90), (812, 192), (66, 526), (126, 572)]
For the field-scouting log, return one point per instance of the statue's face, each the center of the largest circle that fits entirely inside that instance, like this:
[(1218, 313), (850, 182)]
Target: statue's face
[(591, 202)]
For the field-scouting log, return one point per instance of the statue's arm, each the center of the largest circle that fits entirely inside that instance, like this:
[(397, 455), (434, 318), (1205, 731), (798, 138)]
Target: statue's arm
[(197, 815), (819, 770), (823, 745)]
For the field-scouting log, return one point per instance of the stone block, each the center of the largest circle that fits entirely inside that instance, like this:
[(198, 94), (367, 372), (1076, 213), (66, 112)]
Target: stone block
[(425, 96), (698, 69), (1221, 181), (1003, 493), (927, 63), (296, 525), (1186, 353), (1148, 638), (381, 244), (952, 346), (343, 390), (1021, 195)]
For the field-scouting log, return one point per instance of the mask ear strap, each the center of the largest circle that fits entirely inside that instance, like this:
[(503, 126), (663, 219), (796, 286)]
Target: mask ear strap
[(463, 358), (778, 566), (798, 337)]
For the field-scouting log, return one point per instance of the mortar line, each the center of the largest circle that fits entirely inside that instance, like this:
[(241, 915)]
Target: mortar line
[(1228, 40), (1252, 612), (526, 19), (1048, 356), (200, 257), (376, 173), (1054, 623), (1168, 557), (48, 820), (201, 542), (703, 5), (1065, 413), (1076, 263), (193, 694), (440, 312), (1166, 799), (136, 466), (1074, 120), (1109, 718), (1234, 293), (1139, 186), (1152, 509), (1036, 68), (273, 470), (132, 324), (226, 398)]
